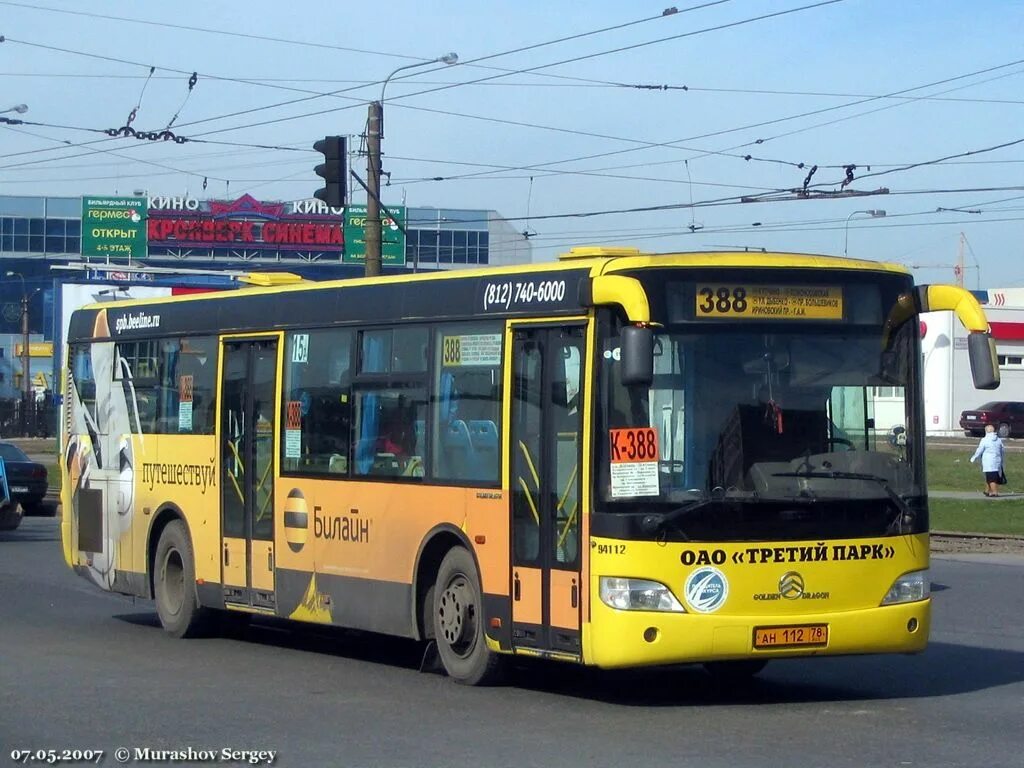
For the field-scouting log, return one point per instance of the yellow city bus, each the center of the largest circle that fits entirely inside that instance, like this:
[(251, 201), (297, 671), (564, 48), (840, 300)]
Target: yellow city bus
[(615, 459)]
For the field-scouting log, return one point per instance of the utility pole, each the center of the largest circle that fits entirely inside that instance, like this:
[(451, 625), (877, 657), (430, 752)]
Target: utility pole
[(26, 379), (373, 165), (25, 358)]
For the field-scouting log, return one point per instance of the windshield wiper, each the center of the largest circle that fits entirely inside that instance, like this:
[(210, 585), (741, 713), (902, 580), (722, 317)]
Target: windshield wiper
[(653, 523), (905, 511)]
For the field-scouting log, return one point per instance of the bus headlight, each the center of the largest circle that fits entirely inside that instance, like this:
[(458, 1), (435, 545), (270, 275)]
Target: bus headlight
[(909, 588), (637, 595)]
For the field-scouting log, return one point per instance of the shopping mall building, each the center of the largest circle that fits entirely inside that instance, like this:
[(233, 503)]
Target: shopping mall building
[(62, 252)]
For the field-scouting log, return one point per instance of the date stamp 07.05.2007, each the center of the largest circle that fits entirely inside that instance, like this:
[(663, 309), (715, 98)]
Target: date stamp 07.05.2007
[(142, 755)]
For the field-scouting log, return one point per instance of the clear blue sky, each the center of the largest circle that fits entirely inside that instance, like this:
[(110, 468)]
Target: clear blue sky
[(521, 125)]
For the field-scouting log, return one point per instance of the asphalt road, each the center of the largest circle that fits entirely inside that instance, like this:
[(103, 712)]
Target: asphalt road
[(84, 669)]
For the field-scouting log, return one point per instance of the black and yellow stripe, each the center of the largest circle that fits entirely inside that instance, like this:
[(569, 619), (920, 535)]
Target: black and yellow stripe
[(296, 520)]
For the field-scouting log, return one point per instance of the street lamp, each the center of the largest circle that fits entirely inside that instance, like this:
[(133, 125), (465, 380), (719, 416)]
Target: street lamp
[(374, 133), (448, 58), (878, 214), (19, 108)]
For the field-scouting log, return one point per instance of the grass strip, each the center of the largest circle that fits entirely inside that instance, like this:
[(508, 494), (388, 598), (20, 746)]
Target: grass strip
[(977, 516)]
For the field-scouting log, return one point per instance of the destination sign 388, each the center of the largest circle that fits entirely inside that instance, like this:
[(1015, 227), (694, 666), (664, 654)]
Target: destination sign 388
[(769, 302)]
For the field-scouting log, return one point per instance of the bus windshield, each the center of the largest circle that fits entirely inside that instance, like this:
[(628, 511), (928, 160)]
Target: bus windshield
[(768, 431)]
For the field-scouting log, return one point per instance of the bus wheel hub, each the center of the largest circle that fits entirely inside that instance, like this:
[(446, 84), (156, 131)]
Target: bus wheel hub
[(454, 611)]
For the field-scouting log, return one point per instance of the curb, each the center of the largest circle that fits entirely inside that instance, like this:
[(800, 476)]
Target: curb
[(963, 535)]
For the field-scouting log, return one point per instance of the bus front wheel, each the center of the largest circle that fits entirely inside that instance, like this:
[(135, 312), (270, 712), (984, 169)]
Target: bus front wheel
[(459, 623), (174, 585)]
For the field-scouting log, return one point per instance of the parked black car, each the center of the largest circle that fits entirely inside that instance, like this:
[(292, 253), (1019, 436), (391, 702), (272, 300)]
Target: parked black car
[(1007, 417), (26, 479)]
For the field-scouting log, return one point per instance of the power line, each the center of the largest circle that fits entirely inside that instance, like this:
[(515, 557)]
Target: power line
[(539, 67), (591, 134), (742, 200), (760, 124), (414, 180), (804, 191), (194, 156), (111, 152), (228, 33), (623, 48), (910, 166), (873, 111), (542, 66), (64, 179), (585, 83), (103, 131), (315, 95), (474, 63), (558, 242)]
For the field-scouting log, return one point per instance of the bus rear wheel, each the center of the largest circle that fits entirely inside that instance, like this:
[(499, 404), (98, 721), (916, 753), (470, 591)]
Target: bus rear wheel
[(458, 623), (174, 584)]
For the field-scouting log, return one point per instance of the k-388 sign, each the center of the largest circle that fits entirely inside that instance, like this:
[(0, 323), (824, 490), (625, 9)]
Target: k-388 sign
[(633, 457), (637, 444)]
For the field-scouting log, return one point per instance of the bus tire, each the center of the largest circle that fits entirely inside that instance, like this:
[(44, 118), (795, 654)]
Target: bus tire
[(174, 584), (458, 623), (734, 671)]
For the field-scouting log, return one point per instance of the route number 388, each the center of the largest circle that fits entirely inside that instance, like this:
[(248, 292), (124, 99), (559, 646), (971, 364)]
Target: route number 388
[(722, 300)]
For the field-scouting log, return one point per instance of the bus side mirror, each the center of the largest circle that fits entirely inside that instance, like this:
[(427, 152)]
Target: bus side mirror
[(637, 345), (981, 348)]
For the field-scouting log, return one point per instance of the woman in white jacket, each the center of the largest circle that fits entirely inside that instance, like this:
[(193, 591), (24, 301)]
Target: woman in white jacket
[(990, 449)]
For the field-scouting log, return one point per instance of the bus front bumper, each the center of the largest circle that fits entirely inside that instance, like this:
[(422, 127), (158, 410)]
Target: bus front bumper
[(617, 638)]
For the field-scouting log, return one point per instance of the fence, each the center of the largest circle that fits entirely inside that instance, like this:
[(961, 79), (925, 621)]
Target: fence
[(28, 418)]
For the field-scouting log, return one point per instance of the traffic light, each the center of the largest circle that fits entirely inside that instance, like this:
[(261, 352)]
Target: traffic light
[(334, 170)]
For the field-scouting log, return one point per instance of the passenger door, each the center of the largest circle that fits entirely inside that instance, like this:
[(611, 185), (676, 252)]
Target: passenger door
[(248, 434), (546, 440)]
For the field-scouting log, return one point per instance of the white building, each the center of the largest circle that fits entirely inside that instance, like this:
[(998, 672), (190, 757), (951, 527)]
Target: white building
[(947, 369)]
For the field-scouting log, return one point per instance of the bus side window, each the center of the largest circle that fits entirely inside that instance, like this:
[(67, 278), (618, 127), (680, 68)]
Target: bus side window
[(386, 432), (82, 376), (195, 377), (466, 403), (317, 407)]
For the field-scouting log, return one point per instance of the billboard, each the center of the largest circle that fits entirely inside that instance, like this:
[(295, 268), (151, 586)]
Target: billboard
[(114, 226), (244, 225), (392, 238)]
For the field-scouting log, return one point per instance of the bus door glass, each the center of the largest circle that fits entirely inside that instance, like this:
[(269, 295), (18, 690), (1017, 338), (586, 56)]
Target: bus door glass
[(247, 439), (852, 421), (547, 426)]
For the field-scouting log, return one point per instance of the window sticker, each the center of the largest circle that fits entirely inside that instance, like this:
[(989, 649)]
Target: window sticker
[(471, 349), (634, 462), (185, 403), (293, 430), (300, 347)]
